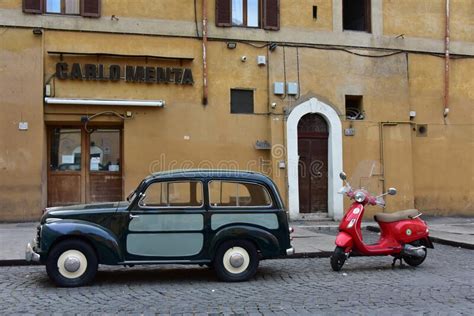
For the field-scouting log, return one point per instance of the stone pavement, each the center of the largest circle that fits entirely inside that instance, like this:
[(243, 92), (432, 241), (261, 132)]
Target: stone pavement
[(312, 238), (442, 285)]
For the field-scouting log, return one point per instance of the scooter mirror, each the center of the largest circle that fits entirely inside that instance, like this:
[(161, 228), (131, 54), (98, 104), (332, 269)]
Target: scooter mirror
[(392, 191), (343, 176)]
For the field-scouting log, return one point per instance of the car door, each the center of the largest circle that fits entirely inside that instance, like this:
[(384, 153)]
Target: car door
[(167, 223)]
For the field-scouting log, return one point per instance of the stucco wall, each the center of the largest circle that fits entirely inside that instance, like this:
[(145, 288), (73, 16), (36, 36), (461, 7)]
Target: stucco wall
[(21, 152)]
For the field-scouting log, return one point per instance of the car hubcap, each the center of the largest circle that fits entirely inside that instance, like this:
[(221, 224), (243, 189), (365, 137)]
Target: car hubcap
[(236, 260), (72, 264)]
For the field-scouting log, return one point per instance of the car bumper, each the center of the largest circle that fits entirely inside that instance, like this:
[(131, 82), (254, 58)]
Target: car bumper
[(30, 254), (290, 251)]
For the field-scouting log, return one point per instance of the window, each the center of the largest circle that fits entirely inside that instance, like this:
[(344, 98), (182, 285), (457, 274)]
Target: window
[(235, 194), (356, 15), (63, 6), (241, 101), (248, 13), (173, 194), (89, 8), (354, 110), (65, 149)]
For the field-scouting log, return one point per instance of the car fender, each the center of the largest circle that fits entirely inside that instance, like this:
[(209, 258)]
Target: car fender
[(266, 242), (344, 240), (103, 240)]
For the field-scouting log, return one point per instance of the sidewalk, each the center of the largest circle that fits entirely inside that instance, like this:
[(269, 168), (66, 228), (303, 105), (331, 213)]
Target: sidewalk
[(312, 238)]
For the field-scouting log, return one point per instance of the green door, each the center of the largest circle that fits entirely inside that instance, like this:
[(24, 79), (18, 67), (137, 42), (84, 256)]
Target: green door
[(167, 223)]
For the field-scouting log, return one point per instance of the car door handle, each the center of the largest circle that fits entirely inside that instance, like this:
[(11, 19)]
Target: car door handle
[(134, 216)]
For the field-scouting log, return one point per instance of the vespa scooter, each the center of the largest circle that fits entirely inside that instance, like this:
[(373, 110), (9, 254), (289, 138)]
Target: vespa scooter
[(403, 234)]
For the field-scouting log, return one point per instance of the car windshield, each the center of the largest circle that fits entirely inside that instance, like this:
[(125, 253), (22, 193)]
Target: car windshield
[(367, 176)]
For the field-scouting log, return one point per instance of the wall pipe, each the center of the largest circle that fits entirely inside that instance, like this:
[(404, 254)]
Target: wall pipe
[(446, 62), (204, 53)]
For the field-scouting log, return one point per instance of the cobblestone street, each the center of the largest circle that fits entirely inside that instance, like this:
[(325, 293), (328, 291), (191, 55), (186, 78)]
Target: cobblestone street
[(444, 284)]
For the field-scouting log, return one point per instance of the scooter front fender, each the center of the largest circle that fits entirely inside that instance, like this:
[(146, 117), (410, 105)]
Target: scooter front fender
[(344, 240)]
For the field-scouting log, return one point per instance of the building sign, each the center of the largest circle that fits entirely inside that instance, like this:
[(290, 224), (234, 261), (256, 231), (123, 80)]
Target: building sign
[(139, 74)]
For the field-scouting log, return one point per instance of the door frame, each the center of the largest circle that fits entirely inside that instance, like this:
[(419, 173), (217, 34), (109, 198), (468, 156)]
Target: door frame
[(335, 201)]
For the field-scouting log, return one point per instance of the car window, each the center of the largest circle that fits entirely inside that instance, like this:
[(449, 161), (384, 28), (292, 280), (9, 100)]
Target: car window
[(173, 194), (238, 194)]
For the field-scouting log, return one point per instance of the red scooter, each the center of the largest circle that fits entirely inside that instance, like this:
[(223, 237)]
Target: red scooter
[(403, 234)]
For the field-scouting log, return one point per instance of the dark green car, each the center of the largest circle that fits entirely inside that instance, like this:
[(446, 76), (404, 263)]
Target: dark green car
[(222, 218)]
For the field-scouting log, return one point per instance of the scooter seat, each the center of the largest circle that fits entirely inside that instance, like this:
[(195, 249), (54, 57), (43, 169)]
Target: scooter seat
[(395, 217)]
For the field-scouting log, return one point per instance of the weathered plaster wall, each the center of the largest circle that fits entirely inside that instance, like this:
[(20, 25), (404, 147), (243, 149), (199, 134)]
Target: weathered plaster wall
[(21, 152)]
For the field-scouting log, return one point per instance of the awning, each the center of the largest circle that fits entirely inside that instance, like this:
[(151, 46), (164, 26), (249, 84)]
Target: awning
[(116, 102)]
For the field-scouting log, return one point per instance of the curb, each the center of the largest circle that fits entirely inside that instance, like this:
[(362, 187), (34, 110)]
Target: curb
[(303, 255), (17, 262), (437, 240)]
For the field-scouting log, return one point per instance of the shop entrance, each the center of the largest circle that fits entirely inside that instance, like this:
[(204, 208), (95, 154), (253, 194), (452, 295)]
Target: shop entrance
[(84, 166), (313, 164)]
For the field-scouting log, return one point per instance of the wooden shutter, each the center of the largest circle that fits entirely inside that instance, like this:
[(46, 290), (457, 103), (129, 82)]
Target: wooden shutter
[(33, 6), (271, 14), (223, 13), (90, 8)]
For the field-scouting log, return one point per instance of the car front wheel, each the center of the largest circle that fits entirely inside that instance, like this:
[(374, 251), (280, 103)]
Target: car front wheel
[(72, 263), (236, 261)]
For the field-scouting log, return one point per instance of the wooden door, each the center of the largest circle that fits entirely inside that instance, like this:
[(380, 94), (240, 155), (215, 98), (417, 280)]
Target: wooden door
[(65, 166), (313, 162), (104, 166), (73, 178)]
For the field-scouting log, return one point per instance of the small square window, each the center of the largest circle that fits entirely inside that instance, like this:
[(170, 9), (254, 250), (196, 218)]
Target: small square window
[(354, 109), (241, 101), (356, 15)]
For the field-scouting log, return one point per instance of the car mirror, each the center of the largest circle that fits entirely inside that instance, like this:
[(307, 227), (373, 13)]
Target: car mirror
[(343, 175)]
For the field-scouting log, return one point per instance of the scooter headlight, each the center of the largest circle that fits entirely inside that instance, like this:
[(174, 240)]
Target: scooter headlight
[(359, 196)]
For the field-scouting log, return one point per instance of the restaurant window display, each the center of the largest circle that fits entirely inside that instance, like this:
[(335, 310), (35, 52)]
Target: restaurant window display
[(84, 166)]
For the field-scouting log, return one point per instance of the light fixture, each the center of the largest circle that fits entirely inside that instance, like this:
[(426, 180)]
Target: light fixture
[(272, 46), (231, 45), (37, 31)]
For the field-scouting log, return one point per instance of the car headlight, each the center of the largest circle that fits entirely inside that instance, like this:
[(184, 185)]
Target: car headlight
[(359, 196)]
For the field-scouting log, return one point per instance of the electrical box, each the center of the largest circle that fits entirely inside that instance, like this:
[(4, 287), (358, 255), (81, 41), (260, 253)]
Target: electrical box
[(261, 60), (23, 126), (278, 88), (292, 88)]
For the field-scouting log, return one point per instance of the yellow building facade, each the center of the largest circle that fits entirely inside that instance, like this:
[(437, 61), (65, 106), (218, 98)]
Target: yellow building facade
[(95, 95)]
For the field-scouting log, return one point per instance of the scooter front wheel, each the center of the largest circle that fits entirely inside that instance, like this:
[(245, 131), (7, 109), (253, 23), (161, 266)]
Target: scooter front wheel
[(338, 258)]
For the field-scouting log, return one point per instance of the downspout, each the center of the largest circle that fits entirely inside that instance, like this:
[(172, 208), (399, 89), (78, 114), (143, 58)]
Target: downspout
[(204, 53), (446, 63)]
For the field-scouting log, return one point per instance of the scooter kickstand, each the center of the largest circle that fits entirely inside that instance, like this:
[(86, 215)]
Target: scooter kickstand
[(395, 261)]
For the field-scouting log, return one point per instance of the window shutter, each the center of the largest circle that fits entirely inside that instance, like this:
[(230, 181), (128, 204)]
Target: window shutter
[(271, 14), (223, 13), (90, 8), (33, 6)]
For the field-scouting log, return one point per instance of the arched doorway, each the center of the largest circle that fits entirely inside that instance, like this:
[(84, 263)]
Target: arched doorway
[(334, 156), (313, 164)]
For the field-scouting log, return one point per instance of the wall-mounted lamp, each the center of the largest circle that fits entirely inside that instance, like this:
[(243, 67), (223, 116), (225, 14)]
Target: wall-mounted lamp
[(231, 45), (272, 46), (37, 31)]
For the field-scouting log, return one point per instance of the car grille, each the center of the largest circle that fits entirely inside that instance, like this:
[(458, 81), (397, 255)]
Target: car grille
[(38, 236)]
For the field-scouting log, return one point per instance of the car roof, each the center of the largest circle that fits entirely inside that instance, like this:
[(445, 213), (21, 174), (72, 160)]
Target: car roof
[(209, 173)]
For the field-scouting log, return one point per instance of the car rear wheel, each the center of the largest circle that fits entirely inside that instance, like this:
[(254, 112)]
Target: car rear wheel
[(72, 263), (236, 261)]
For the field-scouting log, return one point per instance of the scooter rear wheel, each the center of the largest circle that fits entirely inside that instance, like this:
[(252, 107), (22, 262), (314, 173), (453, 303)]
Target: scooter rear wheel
[(338, 259), (415, 261)]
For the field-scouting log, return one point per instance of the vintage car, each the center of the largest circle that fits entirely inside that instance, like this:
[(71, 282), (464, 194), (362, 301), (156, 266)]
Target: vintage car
[(225, 219)]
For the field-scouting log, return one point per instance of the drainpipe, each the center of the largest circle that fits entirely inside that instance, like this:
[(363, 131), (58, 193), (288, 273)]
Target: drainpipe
[(204, 52), (446, 63)]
